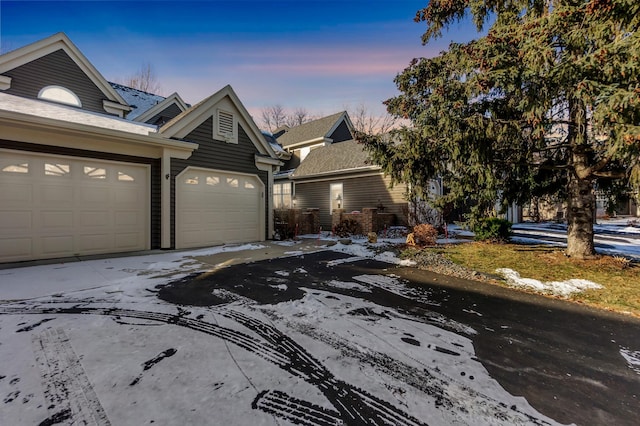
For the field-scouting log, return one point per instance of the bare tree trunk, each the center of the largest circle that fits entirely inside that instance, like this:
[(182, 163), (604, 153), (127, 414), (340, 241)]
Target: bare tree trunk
[(580, 215), (581, 197)]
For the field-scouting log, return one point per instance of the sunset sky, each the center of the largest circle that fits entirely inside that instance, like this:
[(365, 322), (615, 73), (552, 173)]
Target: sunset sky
[(319, 55)]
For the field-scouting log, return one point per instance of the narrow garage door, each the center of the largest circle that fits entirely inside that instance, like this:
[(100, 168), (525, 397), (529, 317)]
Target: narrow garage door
[(55, 206), (216, 207)]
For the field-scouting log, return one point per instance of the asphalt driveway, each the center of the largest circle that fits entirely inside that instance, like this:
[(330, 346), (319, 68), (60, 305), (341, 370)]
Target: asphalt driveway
[(316, 337)]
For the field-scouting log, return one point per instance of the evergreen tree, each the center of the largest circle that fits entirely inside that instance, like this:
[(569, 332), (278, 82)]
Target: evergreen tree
[(547, 102)]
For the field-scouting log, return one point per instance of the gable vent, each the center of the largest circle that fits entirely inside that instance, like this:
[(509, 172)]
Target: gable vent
[(225, 123)]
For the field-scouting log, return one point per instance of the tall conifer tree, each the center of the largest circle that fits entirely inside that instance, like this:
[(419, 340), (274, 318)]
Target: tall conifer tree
[(546, 103)]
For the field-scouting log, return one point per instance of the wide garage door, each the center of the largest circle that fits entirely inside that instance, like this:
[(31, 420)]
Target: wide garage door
[(56, 206), (216, 207)]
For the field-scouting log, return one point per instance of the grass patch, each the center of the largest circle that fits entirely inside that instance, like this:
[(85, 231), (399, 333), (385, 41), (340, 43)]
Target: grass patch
[(620, 278)]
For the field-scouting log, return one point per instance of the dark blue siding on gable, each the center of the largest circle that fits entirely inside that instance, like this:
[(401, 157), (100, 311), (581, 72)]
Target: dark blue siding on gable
[(341, 133), (57, 69), (220, 155), (165, 115)]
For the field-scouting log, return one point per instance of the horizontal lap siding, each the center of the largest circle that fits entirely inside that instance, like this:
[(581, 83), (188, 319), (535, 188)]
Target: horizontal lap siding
[(359, 192), (215, 154), (155, 174), (57, 69), (166, 114)]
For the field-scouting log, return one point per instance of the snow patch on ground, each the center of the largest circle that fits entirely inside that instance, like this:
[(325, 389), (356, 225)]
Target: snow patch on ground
[(559, 288), (632, 358)]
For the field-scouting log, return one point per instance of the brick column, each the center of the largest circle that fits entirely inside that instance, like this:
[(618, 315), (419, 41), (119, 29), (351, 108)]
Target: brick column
[(336, 218), (310, 223), (369, 220)]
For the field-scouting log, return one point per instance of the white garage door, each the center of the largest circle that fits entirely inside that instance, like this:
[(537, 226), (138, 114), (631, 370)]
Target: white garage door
[(216, 207), (55, 206)]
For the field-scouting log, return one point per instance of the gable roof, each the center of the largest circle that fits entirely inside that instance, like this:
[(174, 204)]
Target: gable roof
[(315, 130), (138, 100), (173, 99), (343, 157), (183, 124), (52, 44)]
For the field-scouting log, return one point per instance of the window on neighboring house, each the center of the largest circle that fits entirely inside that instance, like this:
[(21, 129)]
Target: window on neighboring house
[(337, 198), (282, 195), (226, 124)]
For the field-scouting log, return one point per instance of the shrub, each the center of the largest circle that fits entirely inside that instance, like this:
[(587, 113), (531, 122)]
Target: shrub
[(348, 227), (425, 234), (492, 229)]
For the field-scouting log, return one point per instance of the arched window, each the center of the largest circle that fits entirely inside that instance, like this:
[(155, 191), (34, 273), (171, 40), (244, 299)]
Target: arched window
[(59, 94)]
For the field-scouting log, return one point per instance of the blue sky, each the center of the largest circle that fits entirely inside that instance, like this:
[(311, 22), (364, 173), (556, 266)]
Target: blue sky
[(319, 55)]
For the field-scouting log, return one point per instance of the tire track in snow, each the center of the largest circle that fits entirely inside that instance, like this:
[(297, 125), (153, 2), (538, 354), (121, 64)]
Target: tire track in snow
[(70, 395), (355, 406)]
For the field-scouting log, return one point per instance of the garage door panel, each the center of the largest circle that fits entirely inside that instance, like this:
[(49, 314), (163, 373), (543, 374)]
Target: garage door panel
[(12, 221), (55, 194), (126, 241), (16, 248), (127, 195), (94, 219), (60, 206), (229, 207), (57, 246), (93, 243), (127, 219), (56, 219), (15, 193)]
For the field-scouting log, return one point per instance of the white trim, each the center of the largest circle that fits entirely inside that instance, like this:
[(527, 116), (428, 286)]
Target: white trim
[(336, 177), (23, 127), (5, 82), (321, 141), (337, 172)]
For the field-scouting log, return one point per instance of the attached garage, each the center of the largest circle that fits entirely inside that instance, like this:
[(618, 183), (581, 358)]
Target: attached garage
[(218, 207), (57, 206)]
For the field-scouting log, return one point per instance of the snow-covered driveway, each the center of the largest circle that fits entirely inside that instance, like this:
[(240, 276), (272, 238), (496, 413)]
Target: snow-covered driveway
[(325, 338)]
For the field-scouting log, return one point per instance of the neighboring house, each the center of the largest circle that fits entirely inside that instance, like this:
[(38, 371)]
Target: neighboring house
[(329, 170), (88, 167)]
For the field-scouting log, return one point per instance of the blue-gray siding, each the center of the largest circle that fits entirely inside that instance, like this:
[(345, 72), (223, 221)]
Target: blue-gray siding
[(58, 69)]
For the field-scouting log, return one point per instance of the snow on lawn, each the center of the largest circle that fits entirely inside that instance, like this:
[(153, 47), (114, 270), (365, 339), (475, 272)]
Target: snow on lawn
[(91, 340), (559, 288)]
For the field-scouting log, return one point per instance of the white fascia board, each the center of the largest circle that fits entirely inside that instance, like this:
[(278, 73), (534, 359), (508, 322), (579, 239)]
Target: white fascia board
[(5, 82), (268, 160), (339, 172), (317, 141), (47, 131)]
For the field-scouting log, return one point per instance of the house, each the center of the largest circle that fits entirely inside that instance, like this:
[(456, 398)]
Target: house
[(90, 167), (330, 171)]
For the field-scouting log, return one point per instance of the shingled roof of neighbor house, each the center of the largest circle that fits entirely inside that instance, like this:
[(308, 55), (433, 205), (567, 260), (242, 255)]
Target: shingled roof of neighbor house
[(320, 128), (138, 100), (347, 156)]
